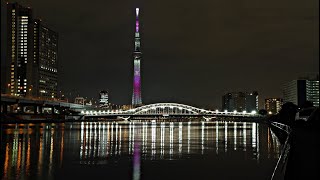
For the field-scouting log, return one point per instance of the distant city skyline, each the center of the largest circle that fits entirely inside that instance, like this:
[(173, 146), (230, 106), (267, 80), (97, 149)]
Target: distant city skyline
[(195, 53)]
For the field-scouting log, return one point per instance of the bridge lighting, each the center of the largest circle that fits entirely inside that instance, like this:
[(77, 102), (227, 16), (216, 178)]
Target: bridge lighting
[(253, 112), (82, 112), (225, 111), (244, 112), (235, 111), (104, 112), (217, 110)]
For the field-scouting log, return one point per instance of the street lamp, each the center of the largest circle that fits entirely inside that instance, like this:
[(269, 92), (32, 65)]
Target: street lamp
[(30, 91), (9, 89)]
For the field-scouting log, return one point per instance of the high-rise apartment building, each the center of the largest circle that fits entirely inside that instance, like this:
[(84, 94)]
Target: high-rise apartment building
[(273, 105), (302, 90), (19, 49), (240, 101), (45, 57), (31, 55)]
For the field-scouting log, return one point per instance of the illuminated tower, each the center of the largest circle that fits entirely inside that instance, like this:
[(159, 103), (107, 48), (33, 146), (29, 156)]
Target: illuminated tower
[(136, 95)]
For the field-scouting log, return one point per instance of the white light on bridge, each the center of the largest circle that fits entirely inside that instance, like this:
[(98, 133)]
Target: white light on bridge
[(244, 112), (225, 111), (253, 112), (235, 111)]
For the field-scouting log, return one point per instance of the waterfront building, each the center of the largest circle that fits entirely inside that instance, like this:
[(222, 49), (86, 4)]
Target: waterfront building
[(45, 61), (251, 101), (240, 101), (273, 105), (19, 60), (31, 55), (136, 94), (302, 90), (103, 98)]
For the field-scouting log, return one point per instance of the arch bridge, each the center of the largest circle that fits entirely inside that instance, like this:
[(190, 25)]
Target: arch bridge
[(167, 109)]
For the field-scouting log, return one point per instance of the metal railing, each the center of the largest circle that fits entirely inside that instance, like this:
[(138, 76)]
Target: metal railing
[(286, 146)]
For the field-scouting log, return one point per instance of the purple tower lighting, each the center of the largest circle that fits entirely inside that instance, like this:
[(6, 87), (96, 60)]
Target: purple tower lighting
[(136, 95)]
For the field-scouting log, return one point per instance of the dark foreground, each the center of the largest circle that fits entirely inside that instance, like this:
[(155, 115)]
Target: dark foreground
[(304, 156)]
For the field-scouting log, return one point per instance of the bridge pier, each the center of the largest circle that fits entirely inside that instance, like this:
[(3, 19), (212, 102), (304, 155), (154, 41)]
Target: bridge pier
[(52, 110), (35, 109)]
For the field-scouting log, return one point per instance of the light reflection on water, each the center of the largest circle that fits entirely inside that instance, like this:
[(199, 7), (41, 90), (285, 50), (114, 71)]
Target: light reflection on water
[(43, 150)]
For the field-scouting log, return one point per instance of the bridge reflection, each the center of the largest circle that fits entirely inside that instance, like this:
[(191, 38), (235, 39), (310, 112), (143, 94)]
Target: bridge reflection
[(169, 140), (40, 150)]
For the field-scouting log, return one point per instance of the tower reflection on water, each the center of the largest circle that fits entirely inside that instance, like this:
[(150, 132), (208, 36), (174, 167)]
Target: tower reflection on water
[(172, 140), (40, 149)]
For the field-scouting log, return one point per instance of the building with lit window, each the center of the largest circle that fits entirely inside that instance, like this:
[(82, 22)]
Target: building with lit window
[(31, 55), (79, 100), (19, 49), (302, 90), (103, 99), (240, 101), (45, 61), (273, 105)]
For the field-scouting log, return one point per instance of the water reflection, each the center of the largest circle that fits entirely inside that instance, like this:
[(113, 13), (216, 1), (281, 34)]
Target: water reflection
[(39, 149), (171, 140), (27, 148)]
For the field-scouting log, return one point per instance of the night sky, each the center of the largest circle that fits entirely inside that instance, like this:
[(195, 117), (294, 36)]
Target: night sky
[(193, 51)]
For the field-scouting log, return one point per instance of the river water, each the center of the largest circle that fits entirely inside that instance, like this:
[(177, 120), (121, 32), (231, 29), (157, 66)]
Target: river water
[(138, 150)]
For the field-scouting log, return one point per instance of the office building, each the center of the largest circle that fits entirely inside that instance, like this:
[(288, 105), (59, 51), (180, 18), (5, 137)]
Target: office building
[(103, 99), (19, 49), (240, 101), (45, 61), (302, 90), (31, 55), (273, 105)]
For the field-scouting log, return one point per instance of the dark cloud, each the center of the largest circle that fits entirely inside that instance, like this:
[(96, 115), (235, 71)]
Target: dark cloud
[(193, 52)]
